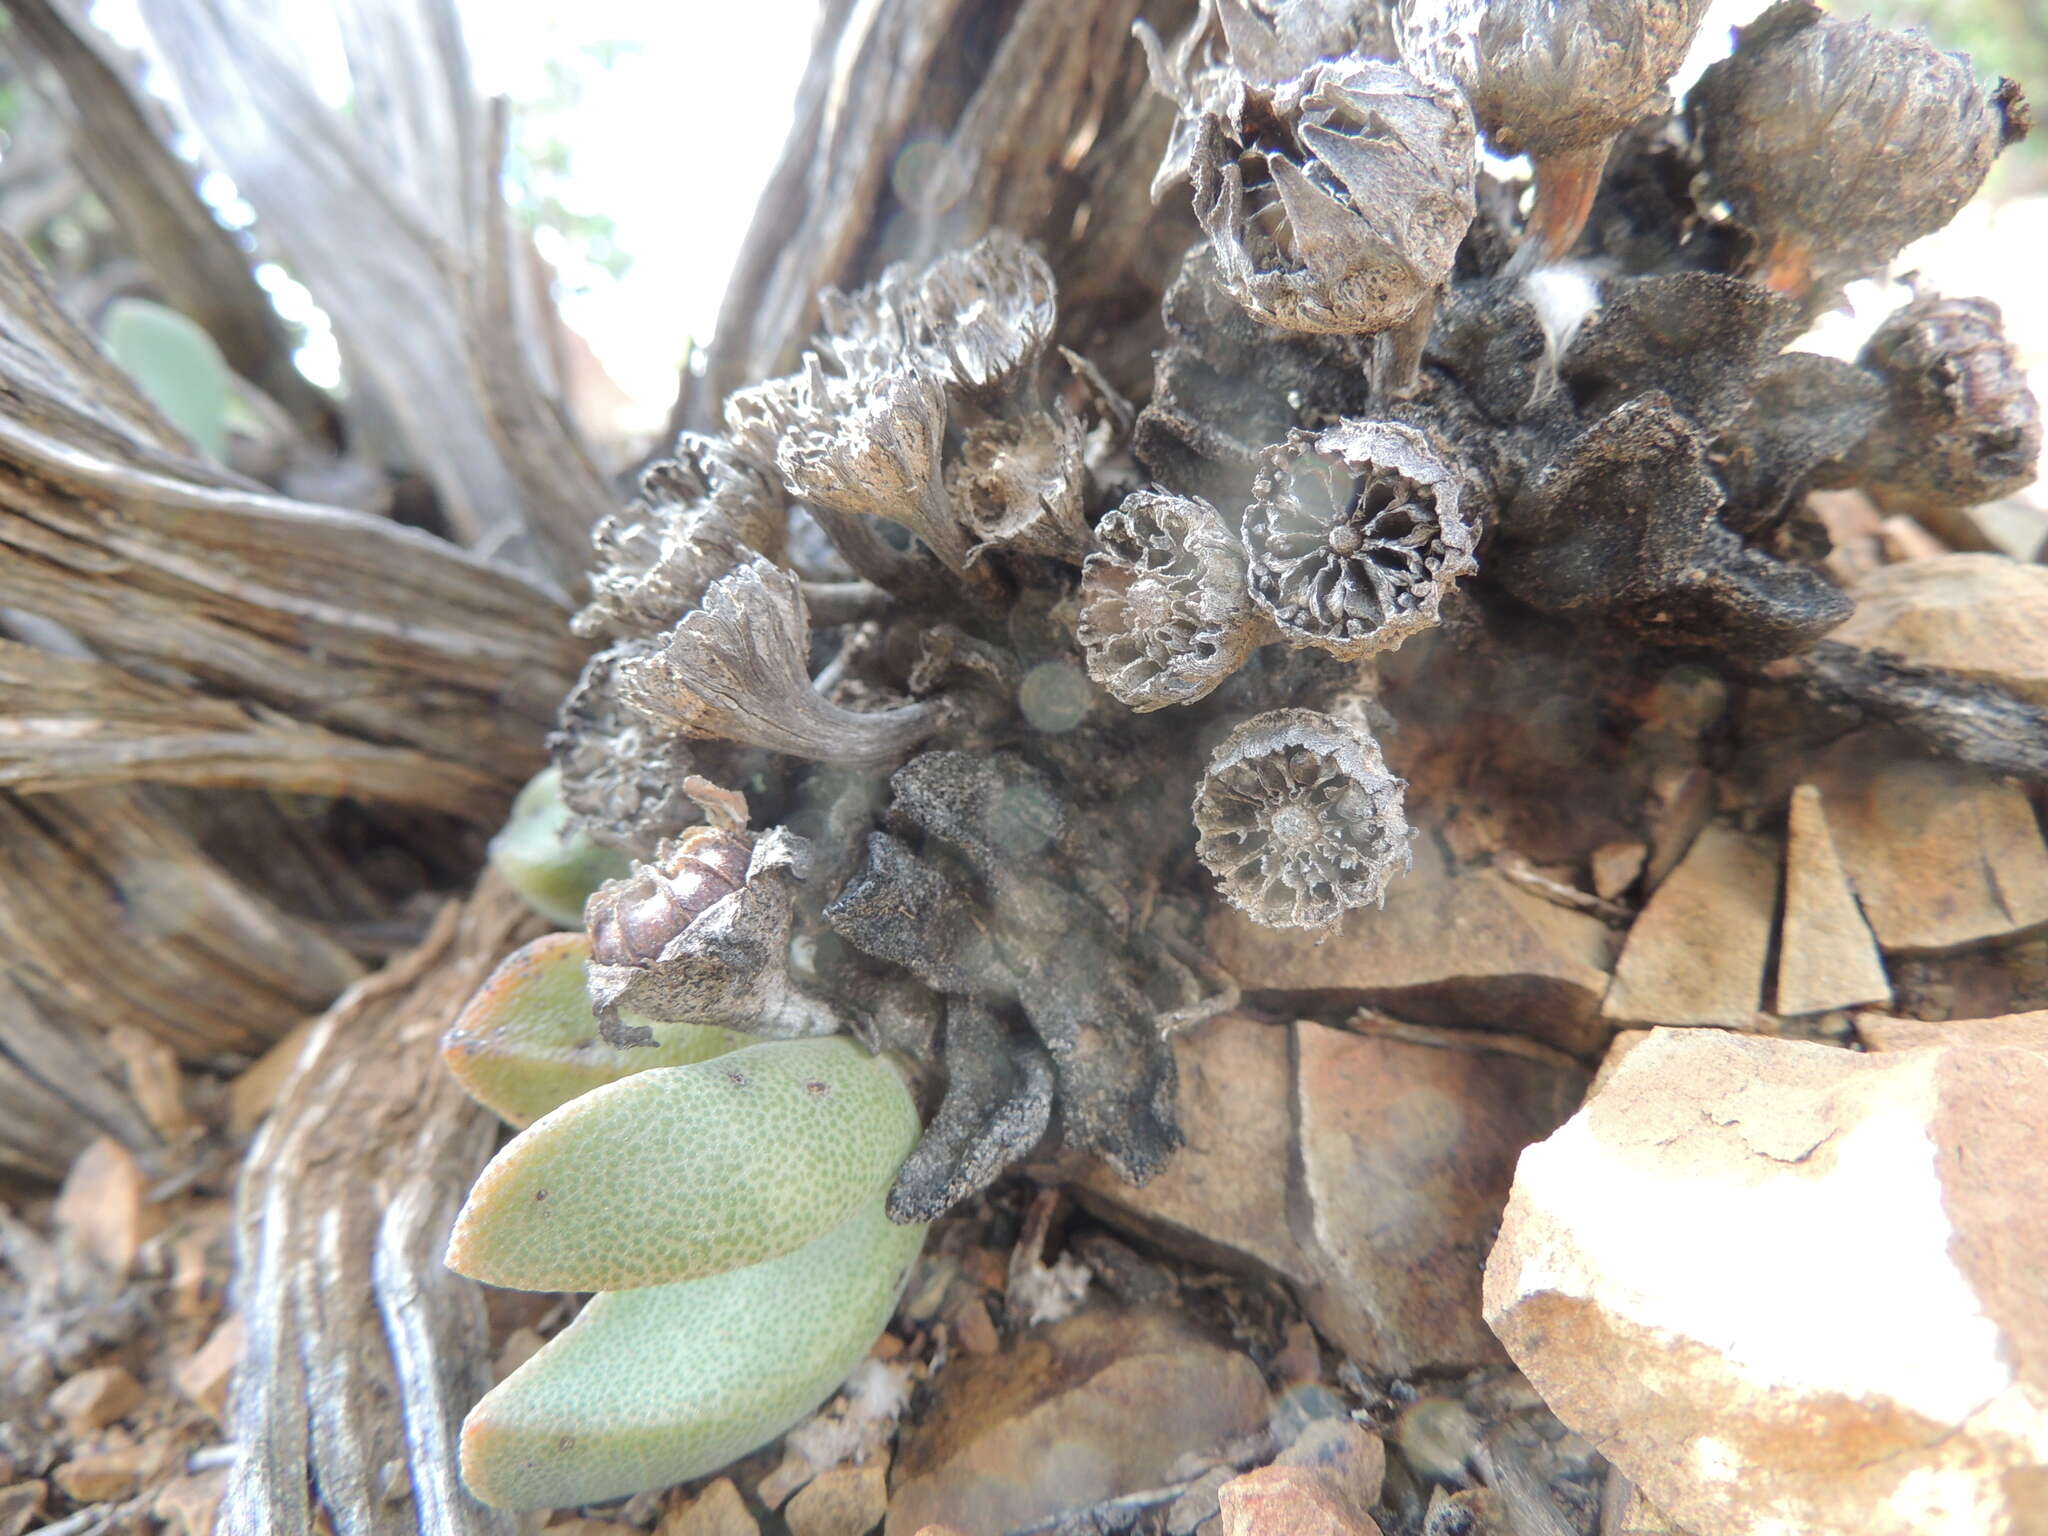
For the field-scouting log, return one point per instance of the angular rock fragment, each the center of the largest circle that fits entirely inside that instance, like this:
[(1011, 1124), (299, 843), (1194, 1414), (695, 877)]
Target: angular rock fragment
[(1786, 1287), (1943, 856), (1296, 1500), (1827, 957), (1405, 1151), (2025, 1031), (1472, 948), (1697, 953), (1980, 617), (1219, 1200), (1099, 1405)]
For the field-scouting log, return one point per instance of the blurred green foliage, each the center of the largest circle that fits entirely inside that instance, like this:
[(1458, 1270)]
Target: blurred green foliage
[(540, 171)]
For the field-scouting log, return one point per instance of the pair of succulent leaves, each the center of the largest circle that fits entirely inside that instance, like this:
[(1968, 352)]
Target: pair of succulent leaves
[(725, 1201)]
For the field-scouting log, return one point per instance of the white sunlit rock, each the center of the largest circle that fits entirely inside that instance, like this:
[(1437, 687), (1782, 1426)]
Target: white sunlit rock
[(1791, 1290)]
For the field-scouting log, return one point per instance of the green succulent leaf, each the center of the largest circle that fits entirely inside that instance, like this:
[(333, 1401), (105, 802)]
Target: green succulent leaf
[(655, 1386), (175, 364), (528, 1042), (687, 1171), (547, 859)]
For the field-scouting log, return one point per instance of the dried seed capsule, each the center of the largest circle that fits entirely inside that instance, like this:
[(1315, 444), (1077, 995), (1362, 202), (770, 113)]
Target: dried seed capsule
[(698, 515), (1354, 535), (737, 669), (872, 443), (1299, 819), (701, 934), (1838, 142), (1961, 426), (1559, 81), (632, 920), (1335, 201), (1165, 612), (621, 774)]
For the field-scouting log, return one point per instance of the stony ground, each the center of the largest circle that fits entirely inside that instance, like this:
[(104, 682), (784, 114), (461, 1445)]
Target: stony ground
[(1779, 1262)]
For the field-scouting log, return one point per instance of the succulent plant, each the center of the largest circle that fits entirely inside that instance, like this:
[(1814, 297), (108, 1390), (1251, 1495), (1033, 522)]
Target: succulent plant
[(658, 1385), (546, 855), (964, 838), (528, 1041), (1837, 142), (729, 1212)]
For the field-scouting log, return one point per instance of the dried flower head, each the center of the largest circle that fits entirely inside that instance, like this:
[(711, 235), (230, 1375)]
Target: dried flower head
[(1354, 535), (1837, 142), (873, 444), (1018, 484), (1165, 611), (737, 669), (1559, 81), (1336, 200), (1300, 821), (656, 557), (1961, 426), (622, 774)]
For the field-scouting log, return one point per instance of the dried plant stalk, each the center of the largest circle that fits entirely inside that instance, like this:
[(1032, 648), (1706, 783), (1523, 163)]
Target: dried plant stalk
[(363, 1349)]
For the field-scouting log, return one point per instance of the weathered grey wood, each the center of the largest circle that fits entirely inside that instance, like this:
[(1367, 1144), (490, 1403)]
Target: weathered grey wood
[(118, 136), (363, 1349), (384, 212)]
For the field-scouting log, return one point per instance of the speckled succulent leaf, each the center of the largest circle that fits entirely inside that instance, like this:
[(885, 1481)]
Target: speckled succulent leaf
[(528, 1042), (651, 1387), (551, 862), (686, 1171)]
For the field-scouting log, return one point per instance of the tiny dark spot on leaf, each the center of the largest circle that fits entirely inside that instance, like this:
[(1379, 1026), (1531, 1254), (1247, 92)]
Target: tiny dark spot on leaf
[(816, 1089), (738, 1079)]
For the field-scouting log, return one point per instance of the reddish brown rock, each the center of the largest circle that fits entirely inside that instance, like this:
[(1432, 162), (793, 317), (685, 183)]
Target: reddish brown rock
[(844, 1501), (1791, 1288), (204, 1378), (1827, 956), (100, 1476), (1697, 953), (1942, 856), (1981, 616), (1221, 1199), (1083, 1410), (102, 1211), (1468, 949), (1289, 1501), (1616, 867), (1368, 1170), (717, 1511), (1351, 1459), (96, 1398), (190, 1506), (1879, 1032), (1406, 1152)]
